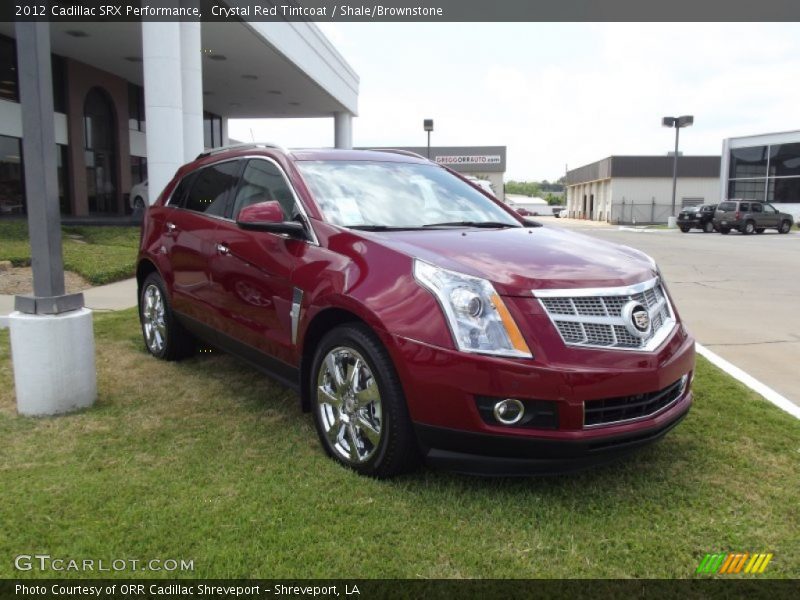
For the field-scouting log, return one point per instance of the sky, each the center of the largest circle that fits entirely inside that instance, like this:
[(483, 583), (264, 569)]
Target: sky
[(559, 94)]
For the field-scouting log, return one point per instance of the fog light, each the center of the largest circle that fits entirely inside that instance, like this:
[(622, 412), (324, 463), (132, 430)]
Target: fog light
[(509, 411), (685, 380)]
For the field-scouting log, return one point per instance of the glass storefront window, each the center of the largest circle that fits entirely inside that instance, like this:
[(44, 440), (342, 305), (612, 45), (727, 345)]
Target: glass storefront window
[(784, 160), (12, 187), (747, 189), (748, 162), (136, 120), (8, 69), (784, 190), (212, 130)]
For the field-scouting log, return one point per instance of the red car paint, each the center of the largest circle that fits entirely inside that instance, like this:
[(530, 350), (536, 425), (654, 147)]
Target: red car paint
[(246, 293)]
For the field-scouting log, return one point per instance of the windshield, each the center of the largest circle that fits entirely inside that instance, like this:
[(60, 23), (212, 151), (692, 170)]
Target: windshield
[(373, 194)]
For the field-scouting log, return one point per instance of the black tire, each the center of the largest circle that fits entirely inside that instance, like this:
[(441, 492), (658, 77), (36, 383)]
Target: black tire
[(724, 230), (176, 342), (396, 450), (748, 228), (760, 229), (685, 229), (138, 202), (786, 227), (708, 227)]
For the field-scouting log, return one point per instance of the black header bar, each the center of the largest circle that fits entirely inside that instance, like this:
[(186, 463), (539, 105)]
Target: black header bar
[(402, 11)]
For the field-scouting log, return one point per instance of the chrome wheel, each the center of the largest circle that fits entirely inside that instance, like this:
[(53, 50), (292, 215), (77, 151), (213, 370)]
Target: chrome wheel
[(155, 328), (349, 405)]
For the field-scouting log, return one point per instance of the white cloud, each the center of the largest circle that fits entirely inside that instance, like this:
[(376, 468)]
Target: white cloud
[(562, 93)]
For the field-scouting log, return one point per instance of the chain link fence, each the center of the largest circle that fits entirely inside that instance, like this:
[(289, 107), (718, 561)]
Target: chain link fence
[(631, 212)]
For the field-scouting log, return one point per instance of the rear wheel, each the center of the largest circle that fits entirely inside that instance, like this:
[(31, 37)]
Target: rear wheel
[(724, 230), (359, 408), (164, 336), (138, 202), (759, 230), (708, 227), (785, 227), (748, 228)]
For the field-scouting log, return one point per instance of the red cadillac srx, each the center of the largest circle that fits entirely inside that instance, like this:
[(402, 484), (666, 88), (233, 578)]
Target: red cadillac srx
[(418, 317)]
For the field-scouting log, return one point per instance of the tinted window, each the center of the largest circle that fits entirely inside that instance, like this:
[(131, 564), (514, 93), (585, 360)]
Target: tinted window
[(756, 208), (262, 181), (785, 190), (747, 188), (211, 187), (8, 69), (727, 206), (745, 206), (748, 162), (784, 160), (180, 191)]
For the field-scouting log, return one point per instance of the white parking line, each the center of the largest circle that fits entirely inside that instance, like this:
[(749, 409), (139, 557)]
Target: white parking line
[(754, 384)]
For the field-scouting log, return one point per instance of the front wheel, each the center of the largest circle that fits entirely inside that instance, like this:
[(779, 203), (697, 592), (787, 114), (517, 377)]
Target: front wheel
[(164, 336), (785, 227), (359, 408), (685, 229)]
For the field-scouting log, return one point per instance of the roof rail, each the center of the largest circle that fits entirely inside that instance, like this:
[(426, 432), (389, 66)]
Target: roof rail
[(398, 151), (243, 146)]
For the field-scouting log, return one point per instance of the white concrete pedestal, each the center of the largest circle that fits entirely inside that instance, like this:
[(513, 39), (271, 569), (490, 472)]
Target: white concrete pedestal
[(672, 222), (54, 366)]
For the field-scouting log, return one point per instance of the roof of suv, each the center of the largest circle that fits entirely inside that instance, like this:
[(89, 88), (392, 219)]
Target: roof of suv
[(338, 154), (301, 154)]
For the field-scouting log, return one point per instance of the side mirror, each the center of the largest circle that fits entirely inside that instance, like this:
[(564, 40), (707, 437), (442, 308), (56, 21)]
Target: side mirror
[(268, 216)]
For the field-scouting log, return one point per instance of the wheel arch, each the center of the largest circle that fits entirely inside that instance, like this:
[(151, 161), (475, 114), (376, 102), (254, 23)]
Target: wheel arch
[(143, 269), (323, 322)]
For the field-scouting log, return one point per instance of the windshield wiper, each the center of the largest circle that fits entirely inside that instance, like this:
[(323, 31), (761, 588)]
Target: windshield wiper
[(380, 228), (484, 224)]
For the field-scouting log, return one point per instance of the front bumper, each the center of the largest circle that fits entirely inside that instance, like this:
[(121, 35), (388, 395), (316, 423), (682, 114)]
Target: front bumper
[(441, 387), (481, 454)]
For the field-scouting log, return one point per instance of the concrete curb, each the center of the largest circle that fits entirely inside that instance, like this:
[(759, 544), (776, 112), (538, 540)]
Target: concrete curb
[(754, 384)]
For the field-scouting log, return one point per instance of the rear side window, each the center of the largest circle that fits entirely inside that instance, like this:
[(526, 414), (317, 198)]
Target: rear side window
[(744, 206), (727, 206), (211, 188), (176, 199), (756, 208), (262, 181)]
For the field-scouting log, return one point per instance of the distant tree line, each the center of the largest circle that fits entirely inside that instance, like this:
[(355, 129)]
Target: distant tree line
[(550, 191)]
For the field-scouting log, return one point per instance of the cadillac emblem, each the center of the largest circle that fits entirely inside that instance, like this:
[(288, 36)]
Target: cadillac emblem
[(637, 319)]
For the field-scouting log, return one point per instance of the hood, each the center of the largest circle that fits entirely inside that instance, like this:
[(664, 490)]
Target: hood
[(519, 260)]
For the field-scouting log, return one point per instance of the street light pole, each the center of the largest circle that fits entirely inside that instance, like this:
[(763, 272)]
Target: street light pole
[(427, 124), (677, 123)]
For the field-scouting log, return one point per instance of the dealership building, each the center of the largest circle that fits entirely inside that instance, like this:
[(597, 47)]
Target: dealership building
[(137, 100), (763, 167), (638, 189)]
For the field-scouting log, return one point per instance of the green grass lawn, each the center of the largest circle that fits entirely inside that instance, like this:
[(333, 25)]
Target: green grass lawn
[(208, 460), (99, 254)]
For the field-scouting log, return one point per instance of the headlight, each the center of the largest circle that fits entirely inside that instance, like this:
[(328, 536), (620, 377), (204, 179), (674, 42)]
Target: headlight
[(479, 319)]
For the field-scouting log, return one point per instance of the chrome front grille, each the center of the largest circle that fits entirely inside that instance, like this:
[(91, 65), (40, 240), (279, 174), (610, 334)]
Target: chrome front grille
[(602, 317)]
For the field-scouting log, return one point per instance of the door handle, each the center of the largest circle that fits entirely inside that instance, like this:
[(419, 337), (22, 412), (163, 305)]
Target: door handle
[(223, 249), (171, 227)]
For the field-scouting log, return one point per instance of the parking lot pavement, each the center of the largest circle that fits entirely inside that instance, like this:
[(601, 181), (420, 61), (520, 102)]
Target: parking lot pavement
[(739, 295)]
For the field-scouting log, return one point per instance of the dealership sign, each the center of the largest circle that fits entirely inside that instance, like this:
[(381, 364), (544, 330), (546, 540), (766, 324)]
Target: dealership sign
[(477, 159)]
